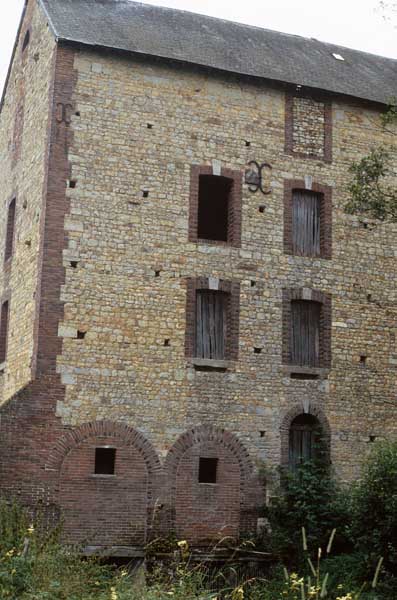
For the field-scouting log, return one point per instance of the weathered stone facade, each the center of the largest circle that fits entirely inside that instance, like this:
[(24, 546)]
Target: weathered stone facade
[(100, 312)]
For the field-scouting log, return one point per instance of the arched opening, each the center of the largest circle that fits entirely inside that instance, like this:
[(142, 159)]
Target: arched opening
[(26, 41), (213, 489), (305, 441)]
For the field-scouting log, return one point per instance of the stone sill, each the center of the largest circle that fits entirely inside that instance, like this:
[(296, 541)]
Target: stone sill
[(212, 363), (316, 372), (102, 476)]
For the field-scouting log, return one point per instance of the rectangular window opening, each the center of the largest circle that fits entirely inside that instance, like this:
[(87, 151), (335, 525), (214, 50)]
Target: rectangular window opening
[(308, 376), (105, 459), (214, 206), (10, 230), (306, 223), (208, 470), (305, 333), (211, 324), (4, 331)]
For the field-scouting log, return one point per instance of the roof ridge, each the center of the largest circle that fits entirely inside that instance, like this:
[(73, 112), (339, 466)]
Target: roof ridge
[(240, 24)]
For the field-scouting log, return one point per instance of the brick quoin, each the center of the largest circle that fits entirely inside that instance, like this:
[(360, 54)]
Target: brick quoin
[(29, 427)]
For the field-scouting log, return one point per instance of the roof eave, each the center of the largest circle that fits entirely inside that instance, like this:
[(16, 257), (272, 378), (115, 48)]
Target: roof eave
[(218, 69)]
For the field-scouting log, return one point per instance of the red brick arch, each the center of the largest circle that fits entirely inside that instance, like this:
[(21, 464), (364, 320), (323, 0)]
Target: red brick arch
[(121, 431), (290, 415), (199, 512), (105, 510)]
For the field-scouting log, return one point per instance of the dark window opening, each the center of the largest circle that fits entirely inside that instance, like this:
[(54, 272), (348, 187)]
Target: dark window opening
[(26, 41), (10, 229), (363, 360), (208, 470), (105, 459), (304, 437), (257, 350), (306, 223), (253, 283), (210, 324), (72, 183), (157, 273), (166, 342), (372, 438), (262, 209), (145, 194), (73, 264), (149, 125), (81, 335), (262, 434), (4, 330), (308, 376), (214, 207), (247, 143), (305, 333)]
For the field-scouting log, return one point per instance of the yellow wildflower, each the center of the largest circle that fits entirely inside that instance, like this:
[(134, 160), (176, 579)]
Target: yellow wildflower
[(238, 594), (113, 594)]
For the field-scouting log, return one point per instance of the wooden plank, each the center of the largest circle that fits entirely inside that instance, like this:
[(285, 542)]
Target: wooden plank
[(210, 324), (199, 326), (306, 223), (305, 332)]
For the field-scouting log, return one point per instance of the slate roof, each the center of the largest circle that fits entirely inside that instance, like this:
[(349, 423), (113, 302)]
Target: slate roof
[(219, 44)]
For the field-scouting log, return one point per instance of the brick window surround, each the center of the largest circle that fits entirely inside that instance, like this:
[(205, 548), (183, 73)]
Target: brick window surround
[(287, 421), (289, 128), (232, 289), (10, 229), (290, 185), (4, 327), (234, 211), (325, 326)]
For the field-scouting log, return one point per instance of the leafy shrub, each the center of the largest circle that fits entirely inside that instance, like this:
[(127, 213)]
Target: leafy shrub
[(374, 511), (308, 498)]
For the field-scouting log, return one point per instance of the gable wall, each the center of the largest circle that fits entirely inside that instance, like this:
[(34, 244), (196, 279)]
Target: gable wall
[(23, 145)]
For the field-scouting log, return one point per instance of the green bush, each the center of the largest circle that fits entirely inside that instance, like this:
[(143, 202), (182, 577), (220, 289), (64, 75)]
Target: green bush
[(308, 498), (373, 528)]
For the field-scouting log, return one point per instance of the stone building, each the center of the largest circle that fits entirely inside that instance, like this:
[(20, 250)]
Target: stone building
[(183, 300)]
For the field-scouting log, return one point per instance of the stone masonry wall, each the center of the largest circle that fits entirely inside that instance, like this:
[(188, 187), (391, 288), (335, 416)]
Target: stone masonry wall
[(140, 127), (308, 126), (112, 287), (23, 141)]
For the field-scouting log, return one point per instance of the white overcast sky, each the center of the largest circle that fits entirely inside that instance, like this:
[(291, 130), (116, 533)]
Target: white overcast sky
[(354, 23)]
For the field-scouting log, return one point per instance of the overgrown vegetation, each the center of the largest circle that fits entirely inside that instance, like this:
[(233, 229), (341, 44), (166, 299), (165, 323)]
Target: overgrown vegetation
[(372, 189), (358, 524)]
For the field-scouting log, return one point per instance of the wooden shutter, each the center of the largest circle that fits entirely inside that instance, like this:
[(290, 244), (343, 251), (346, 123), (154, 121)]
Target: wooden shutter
[(306, 208), (305, 333), (301, 443), (4, 330), (210, 324), (10, 230)]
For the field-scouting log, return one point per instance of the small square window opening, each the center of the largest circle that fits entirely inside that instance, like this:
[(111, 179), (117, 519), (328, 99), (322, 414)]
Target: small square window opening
[(208, 470), (105, 459)]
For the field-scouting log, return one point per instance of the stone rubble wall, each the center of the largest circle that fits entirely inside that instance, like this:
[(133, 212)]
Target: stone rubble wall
[(24, 123)]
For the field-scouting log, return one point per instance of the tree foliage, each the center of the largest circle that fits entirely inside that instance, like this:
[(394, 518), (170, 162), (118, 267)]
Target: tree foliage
[(370, 193), (372, 188)]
